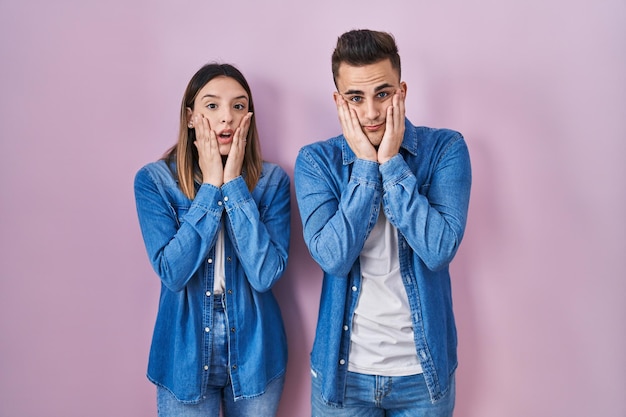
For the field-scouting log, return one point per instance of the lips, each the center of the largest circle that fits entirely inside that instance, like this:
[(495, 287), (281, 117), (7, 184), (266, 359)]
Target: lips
[(225, 136), (373, 128)]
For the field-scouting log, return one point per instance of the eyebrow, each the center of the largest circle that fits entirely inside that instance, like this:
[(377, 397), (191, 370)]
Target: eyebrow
[(360, 92), (215, 96)]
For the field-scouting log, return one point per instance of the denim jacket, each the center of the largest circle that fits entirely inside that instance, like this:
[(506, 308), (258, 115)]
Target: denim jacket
[(180, 235), (424, 192)]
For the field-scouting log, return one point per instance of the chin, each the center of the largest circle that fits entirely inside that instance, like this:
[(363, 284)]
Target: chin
[(375, 141)]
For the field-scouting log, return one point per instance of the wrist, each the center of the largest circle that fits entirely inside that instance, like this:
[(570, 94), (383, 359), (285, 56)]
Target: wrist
[(217, 182), (368, 155)]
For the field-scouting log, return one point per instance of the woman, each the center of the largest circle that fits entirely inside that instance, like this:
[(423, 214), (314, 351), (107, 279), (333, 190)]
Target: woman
[(215, 219)]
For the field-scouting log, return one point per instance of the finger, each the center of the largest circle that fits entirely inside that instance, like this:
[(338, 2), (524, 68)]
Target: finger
[(346, 118), (198, 127), (389, 121), (400, 109), (392, 111), (203, 129), (246, 121), (354, 120), (212, 139), (240, 138), (244, 127), (206, 128), (239, 141), (341, 110)]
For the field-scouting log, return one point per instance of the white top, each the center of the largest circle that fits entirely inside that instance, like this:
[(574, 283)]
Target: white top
[(219, 275), (382, 331)]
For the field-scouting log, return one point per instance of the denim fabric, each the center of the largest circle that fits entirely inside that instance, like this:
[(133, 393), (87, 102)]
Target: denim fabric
[(424, 191), (179, 235), (380, 396), (220, 391)]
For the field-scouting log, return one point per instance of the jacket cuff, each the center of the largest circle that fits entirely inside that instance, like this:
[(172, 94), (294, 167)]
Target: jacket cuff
[(394, 170), (235, 191)]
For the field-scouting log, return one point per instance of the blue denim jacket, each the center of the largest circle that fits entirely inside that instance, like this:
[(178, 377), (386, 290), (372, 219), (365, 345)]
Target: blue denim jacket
[(424, 191), (180, 235)]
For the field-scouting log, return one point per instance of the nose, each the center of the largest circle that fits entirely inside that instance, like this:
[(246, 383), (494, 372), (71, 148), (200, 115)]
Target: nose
[(372, 110), (226, 116)]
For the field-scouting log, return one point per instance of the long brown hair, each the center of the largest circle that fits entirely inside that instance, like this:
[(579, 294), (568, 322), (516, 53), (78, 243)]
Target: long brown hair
[(185, 154)]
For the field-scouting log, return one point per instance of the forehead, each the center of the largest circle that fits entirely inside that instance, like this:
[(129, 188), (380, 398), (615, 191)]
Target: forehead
[(222, 87), (366, 77)]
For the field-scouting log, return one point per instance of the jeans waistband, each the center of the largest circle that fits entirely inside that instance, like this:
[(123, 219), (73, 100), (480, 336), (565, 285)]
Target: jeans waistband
[(218, 301)]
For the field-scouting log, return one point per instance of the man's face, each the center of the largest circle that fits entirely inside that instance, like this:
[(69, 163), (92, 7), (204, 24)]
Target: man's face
[(369, 91)]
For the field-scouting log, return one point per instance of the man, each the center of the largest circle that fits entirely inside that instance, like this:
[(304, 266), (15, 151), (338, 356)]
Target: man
[(384, 208)]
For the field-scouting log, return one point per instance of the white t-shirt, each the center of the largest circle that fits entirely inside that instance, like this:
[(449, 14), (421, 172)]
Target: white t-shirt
[(382, 331), (219, 277)]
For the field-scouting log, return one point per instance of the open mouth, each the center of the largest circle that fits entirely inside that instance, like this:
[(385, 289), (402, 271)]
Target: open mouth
[(225, 136)]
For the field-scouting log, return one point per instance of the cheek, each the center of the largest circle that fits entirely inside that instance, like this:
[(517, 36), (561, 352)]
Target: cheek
[(210, 116), (237, 119)]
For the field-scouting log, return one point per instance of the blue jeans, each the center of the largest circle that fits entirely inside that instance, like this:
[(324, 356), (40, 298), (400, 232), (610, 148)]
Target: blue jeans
[(220, 391), (378, 396)]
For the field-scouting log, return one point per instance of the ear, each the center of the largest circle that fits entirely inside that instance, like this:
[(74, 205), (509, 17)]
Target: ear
[(403, 87), (336, 96), (189, 114)]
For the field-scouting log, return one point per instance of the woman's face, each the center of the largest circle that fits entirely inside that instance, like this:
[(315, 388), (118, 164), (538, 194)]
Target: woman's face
[(224, 103)]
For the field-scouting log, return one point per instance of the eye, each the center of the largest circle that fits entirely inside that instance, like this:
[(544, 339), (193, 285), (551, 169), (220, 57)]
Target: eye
[(239, 106), (382, 94), (356, 99), (211, 106)]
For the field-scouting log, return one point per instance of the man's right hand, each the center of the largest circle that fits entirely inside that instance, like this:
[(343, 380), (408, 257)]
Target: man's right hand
[(351, 127)]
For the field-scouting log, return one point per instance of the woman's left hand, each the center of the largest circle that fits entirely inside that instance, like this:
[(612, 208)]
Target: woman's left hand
[(234, 163)]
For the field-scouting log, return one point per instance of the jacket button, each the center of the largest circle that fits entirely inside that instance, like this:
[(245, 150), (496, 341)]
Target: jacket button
[(342, 362)]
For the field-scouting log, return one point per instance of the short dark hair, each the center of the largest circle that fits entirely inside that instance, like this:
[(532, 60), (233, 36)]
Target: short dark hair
[(364, 47)]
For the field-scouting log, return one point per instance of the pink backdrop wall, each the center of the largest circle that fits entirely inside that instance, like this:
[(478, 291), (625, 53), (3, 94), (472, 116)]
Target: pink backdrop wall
[(90, 92)]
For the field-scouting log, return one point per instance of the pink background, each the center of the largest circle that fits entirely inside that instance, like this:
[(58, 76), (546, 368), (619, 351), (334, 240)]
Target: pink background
[(90, 91)]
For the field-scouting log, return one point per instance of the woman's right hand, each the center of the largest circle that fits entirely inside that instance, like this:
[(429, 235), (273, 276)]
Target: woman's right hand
[(209, 157)]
